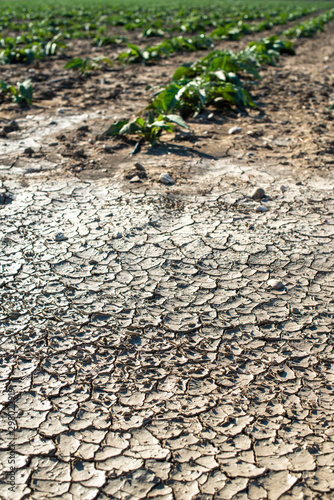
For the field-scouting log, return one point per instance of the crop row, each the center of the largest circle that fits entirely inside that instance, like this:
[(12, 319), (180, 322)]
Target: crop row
[(215, 79), (231, 31), (221, 78), (85, 21), (44, 37)]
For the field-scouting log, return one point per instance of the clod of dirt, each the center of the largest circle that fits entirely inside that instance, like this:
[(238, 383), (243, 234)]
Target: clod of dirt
[(79, 153), (29, 151), (258, 193), (84, 129), (5, 197), (138, 166), (166, 179), (135, 173), (13, 126), (275, 284), (234, 130)]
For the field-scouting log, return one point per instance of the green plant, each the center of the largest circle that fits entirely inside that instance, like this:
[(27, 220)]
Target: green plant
[(21, 93), (268, 50), (109, 40), (149, 129), (87, 64)]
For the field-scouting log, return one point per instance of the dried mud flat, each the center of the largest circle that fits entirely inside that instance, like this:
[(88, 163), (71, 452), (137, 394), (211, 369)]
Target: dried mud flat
[(149, 353)]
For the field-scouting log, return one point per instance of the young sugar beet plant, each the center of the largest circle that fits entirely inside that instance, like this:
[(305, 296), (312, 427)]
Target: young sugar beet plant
[(21, 93), (148, 129), (220, 76), (216, 76), (87, 64)]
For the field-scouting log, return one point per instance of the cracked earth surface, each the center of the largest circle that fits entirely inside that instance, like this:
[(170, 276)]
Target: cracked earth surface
[(147, 352), (148, 355)]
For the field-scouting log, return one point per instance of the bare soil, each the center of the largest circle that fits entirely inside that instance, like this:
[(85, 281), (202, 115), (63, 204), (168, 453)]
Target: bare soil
[(292, 124)]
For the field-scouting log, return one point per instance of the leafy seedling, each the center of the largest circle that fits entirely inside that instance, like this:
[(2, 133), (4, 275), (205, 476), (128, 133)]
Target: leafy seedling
[(148, 130), (87, 64), (21, 93)]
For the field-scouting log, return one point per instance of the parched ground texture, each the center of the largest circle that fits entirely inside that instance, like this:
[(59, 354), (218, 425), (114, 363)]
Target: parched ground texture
[(148, 355)]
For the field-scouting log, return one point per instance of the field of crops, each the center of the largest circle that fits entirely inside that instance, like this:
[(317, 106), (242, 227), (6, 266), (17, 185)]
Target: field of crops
[(156, 70)]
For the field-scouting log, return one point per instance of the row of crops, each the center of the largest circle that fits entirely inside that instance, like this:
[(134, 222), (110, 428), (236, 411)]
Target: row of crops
[(46, 35), (221, 78)]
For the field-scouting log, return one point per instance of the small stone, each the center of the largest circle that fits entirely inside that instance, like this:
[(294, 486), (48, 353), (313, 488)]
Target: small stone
[(52, 144), (283, 189), (60, 111), (108, 149), (29, 151), (79, 153), (210, 116), (275, 284), (295, 310), (61, 237), (250, 154), (166, 179), (258, 193), (261, 208), (140, 167), (117, 235), (234, 130), (135, 179)]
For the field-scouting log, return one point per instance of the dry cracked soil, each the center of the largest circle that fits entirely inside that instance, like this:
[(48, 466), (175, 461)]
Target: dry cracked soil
[(169, 342)]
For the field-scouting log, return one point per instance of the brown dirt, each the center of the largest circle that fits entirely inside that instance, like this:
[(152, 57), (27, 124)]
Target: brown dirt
[(291, 126)]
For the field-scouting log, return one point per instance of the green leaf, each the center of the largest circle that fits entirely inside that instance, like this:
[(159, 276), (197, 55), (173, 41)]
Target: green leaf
[(135, 49), (183, 72), (150, 118), (220, 74), (130, 128), (116, 127), (25, 91), (178, 120), (77, 62), (103, 59), (140, 121), (166, 100)]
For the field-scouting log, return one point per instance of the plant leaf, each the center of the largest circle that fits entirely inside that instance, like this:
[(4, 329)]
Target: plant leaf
[(178, 120), (77, 62), (116, 127)]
